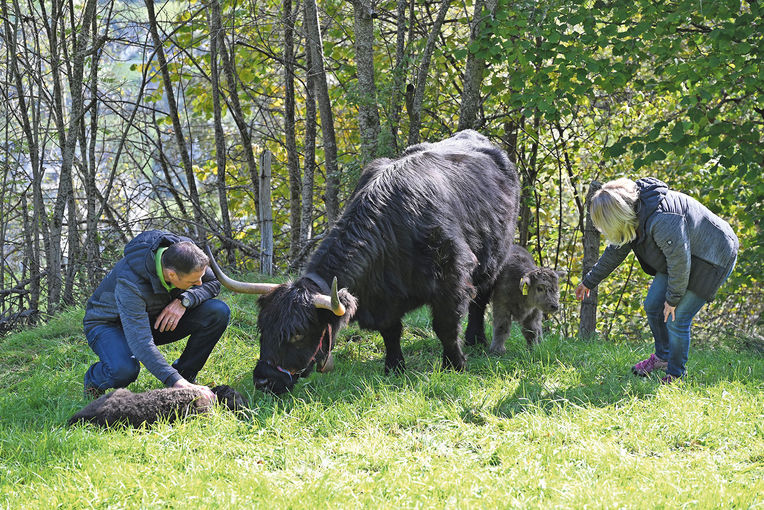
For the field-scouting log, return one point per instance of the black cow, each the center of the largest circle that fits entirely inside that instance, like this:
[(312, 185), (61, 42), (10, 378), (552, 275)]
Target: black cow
[(433, 227)]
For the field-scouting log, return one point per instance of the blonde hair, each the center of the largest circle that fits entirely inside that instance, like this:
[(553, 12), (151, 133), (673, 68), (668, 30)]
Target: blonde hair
[(613, 211)]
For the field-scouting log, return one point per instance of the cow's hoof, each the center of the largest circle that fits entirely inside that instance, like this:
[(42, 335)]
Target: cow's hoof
[(476, 339), (395, 368), (498, 350), (459, 364), (533, 344)]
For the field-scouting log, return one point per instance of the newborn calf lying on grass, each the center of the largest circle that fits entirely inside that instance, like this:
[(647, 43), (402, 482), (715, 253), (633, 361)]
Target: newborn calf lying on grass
[(523, 292), (124, 406)]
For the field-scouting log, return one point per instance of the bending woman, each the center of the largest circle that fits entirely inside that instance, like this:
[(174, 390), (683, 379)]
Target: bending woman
[(688, 249)]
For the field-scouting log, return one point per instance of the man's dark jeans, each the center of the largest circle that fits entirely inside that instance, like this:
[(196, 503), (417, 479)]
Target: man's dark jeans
[(118, 367)]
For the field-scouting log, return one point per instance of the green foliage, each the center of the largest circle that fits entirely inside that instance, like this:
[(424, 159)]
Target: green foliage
[(566, 425), (580, 90), (671, 89)]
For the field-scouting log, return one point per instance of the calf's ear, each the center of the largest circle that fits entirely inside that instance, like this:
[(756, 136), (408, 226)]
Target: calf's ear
[(561, 274), (525, 281)]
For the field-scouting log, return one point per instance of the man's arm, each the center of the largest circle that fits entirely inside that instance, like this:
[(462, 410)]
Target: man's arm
[(209, 288), (135, 323)]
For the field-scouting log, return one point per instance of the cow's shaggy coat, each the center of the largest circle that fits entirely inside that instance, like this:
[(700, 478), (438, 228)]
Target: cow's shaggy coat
[(134, 409), (523, 292), (432, 227)]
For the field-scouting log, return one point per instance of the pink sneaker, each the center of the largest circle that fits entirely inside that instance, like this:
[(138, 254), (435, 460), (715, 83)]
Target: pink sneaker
[(671, 379), (652, 363)]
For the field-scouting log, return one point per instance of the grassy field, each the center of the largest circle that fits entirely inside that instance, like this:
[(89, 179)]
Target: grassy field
[(564, 426)]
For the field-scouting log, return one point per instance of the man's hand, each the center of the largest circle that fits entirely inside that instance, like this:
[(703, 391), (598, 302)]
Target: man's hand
[(206, 392), (582, 292), (668, 310), (168, 319)]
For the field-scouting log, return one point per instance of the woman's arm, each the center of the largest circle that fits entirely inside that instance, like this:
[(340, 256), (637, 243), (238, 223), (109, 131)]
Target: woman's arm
[(610, 259)]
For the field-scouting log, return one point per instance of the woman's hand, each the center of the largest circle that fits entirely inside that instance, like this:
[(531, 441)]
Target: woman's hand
[(668, 310), (582, 292)]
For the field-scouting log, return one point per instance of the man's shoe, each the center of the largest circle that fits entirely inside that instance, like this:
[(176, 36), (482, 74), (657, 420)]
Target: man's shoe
[(646, 366)]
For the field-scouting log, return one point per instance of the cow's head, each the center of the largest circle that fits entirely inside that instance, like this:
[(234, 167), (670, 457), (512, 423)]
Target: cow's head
[(298, 326), (542, 289)]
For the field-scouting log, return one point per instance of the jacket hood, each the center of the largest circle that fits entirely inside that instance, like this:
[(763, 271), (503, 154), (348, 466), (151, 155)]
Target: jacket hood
[(651, 193), (139, 253)]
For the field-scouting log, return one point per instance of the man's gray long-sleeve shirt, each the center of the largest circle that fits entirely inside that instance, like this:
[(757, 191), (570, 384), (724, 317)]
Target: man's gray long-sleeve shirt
[(132, 296), (677, 236)]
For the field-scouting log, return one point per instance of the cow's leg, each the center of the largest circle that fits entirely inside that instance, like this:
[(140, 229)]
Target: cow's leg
[(393, 355), (531, 326), (502, 324), (446, 324), (475, 333)]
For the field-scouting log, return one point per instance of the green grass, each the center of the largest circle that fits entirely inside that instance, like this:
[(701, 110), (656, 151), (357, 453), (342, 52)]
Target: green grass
[(566, 425)]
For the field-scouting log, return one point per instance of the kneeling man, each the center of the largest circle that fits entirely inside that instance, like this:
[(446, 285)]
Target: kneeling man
[(161, 291)]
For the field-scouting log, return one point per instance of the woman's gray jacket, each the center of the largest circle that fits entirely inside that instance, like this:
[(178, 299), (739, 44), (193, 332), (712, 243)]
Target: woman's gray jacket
[(677, 236)]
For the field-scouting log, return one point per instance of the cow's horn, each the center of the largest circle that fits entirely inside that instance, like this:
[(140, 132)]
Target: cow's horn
[(237, 286), (330, 302)]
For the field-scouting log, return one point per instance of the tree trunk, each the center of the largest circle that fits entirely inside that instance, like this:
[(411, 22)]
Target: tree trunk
[(310, 156), (30, 128), (5, 167), (415, 112), (220, 146), (293, 160), (591, 238), (398, 72), (528, 176), (68, 136), (315, 46), (266, 215), (73, 264), (32, 257), (89, 173), (238, 115), (175, 117), (368, 115), (474, 69)]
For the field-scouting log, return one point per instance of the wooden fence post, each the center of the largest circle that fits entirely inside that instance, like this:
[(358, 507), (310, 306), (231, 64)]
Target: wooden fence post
[(591, 238), (266, 215)]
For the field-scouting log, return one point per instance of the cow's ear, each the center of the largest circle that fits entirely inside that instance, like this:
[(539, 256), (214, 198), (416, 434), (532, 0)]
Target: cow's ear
[(561, 274), (525, 282), (350, 302)]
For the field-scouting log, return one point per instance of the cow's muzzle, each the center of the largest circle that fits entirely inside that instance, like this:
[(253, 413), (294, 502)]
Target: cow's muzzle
[(273, 379)]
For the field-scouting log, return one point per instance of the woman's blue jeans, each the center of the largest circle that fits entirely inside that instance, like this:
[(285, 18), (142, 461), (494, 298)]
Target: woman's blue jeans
[(672, 338), (118, 367)]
